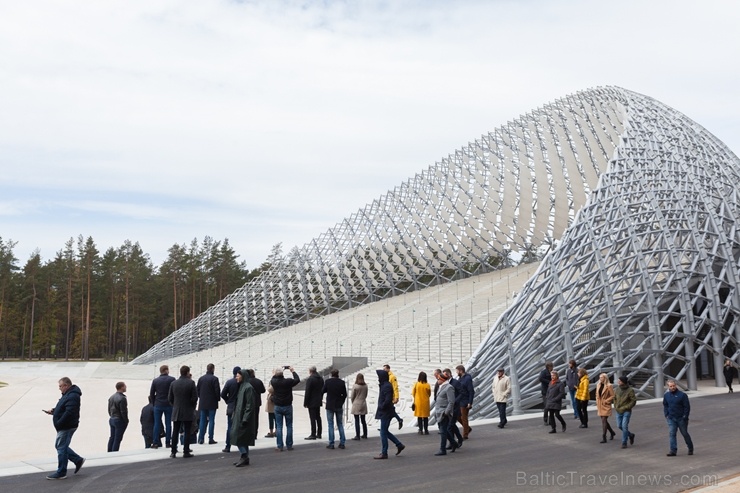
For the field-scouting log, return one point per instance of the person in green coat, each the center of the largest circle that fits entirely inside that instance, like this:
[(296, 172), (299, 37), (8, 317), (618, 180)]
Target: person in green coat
[(244, 419), (624, 401)]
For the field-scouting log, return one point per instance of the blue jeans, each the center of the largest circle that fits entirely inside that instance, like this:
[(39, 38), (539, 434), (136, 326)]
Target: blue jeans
[(64, 452), (244, 451), (330, 423), (158, 411), (117, 427), (623, 423), (574, 404), (285, 412), (386, 435), (681, 425), (210, 416)]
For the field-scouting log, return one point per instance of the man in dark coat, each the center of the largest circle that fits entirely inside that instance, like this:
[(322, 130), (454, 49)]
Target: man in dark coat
[(159, 391), (259, 389), (544, 379), (676, 409), (66, 418), (209, 393), (228, 394), (244, 416), (147, 423), (454, 431), (336, 393), (385, 412), (183, 397), (467, 393), (282, 397), (312, 402)]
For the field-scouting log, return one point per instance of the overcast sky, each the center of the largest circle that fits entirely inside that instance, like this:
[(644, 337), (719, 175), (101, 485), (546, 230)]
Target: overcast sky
[(270, 121)]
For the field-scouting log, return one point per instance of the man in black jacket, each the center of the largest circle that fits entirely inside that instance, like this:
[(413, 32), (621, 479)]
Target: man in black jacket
[(117, 417), (312, 401), (282, 397), (544, 379), (147, 423), (228, 394), (66, 418), (209, 393), (183, 397), (158, 392), (336, 393), (259, 389)]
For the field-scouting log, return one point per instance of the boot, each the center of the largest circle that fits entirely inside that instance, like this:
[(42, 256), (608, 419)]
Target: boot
[(603, 438)]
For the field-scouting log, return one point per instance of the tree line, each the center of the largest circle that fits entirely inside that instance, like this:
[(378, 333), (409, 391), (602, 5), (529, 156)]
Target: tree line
[(82, 304)]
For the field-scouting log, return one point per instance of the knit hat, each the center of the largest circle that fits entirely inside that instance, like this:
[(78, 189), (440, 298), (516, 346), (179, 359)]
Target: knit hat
[(623, 379), (237, 369)]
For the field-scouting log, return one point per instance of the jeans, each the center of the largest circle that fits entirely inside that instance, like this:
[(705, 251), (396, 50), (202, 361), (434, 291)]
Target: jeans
[(501, 406), (574, 403), (158, 411), (285, 412), (64, 452), (117, 428), (330, 414), (244, 451), (683, 426), (208, 415), (386, 435), (358, 418), (314, 415), (228, 431), (623, 422)]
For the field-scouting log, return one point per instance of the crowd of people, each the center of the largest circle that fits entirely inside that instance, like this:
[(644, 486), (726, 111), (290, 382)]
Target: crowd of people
[(189, 409)]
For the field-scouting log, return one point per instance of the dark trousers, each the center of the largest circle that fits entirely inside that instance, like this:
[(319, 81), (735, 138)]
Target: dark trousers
[(117, 428), (582, 411), (360, 418), (445, 433), (453, 431), (314, 415), (423, 424), (186, 425), (228, 431), (147, 440), (271, 420), (501, 406), (552, 414)]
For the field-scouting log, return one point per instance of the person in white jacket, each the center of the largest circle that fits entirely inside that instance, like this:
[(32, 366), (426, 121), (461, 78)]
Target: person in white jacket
[(501, 390)]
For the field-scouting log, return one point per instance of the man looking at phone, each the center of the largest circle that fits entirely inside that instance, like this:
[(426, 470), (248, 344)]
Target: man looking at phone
[(66, 418)]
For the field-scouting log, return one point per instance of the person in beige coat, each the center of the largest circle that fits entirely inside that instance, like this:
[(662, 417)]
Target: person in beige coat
[(358, 397), (501, 390), (604, 399), (270, 410)]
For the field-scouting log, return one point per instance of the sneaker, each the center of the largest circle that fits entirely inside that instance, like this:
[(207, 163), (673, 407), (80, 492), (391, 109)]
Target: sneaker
[(400, 448), (56, 476), (79, 465)]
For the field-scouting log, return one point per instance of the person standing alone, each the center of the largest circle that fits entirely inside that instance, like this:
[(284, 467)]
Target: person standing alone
[(501, 391), (209, 393), (118, 417)]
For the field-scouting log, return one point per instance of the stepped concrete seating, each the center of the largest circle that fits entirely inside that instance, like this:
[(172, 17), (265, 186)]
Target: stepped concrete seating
[(435, 327)]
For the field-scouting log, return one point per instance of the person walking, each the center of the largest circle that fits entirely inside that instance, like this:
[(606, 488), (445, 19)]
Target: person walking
[(554, 401), (243, 427), (444, 412), (282, 397), (420, 392), (209, 393), (572, 380), (312, 402), (396, 394), (66, 419), (582, 397), (501, 391), (183, 397), (228, 394), (729, 372), (624, 401), (604, 399), (467, 393), (385, 412), (358, 397), (676, 409), (336, 393), (159, 392), (452, 423), (117, 417), (544, 379)]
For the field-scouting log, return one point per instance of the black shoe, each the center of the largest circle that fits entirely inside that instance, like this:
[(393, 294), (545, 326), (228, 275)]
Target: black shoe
[(355, 438), (242, 462), (318, 436), (553, 431), (547, 423), (154, 445), (454, 447), (341, 445), (187, 455), (200, 442), (400, 424), (612, 437), (632, 438), (400, 448), (79, 465), (603, 439), (624, 445), (310, 437), (226, 450), (365, 437), (583, 426), (671, 454), (459, 444), (212, 442), (289, 449), (381, 456), (173, 455), (449, 447), (330, 447), (168, 445), (564, 427), (426, 432), (691, 451), (441, 452), (500, 426)]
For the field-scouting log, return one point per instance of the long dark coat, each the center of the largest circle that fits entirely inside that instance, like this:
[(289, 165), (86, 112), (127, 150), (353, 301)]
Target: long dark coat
[(244, 418), (183, 398)]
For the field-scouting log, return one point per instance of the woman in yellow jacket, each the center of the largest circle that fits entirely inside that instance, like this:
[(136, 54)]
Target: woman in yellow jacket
[(604, 399), (582, 395), (421, 392)]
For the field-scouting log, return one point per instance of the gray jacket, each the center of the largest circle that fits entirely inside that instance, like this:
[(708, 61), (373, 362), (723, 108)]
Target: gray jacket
[(445, 403)]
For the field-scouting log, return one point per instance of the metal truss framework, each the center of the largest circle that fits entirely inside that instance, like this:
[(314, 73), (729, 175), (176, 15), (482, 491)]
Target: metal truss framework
[(644, 283), (638, 208)]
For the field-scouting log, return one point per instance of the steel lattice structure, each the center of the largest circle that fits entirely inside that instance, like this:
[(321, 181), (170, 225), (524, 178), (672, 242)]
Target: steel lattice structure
[(638, 201)]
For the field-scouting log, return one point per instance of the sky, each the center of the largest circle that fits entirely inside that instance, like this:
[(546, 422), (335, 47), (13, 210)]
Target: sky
[(161, 121)]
